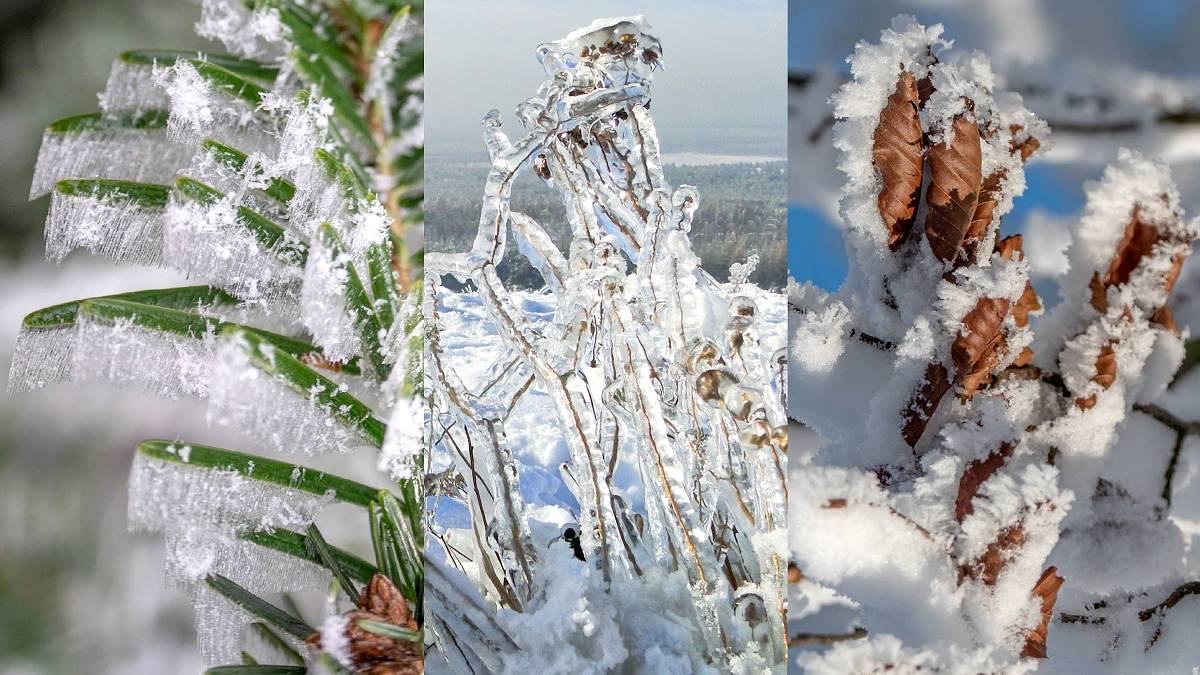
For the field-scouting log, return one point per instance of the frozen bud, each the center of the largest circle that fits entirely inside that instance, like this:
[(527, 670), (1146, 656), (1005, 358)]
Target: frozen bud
[(685, 199), (779, 437), (742, 306), (702, 355), (542, 168), (712, 384), (659, 205), (529, 111), (743, 401), (614, 395), (757, 434)]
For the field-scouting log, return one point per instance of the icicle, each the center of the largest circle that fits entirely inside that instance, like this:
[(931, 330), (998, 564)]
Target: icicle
[(41, 356), (124, 352), (146, 156), (125, 231), (245, 397)]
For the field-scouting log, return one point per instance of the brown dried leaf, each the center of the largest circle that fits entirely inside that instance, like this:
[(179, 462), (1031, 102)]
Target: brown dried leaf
[(989, 565), (1046, 589), (1009, 248), (976, 473), (981, 220), (954, 188), (1173, 274), (980, 344), (898, 153), (976, 352), (1165, 319), (924, 90), (1025, 147), (1106, 374), (1139, 238), (923, 403)]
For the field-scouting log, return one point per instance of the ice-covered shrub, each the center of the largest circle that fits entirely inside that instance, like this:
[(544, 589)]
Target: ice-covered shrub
[(991, 488), (286, 179), (609, 453)]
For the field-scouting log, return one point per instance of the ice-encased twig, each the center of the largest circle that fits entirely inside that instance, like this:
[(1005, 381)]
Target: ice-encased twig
[(612, 369)]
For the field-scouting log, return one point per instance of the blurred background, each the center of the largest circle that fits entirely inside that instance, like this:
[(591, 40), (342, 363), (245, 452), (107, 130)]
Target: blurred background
[(77, 593), (1103, 73)]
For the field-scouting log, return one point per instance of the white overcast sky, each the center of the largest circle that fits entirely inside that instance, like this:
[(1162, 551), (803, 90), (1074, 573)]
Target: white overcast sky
[(725, 76)]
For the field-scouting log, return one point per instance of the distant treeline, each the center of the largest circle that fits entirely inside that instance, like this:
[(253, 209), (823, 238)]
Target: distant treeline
[(743, 210)]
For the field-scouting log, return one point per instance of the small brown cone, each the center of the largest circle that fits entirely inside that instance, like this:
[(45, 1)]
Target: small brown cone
[(373, 654)]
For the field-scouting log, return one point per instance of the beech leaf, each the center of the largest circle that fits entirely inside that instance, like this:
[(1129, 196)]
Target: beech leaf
[(954, 188), (898, 153)]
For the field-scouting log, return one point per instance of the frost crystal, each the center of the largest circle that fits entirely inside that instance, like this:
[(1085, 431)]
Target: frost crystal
[(122, 352), (122, 230)]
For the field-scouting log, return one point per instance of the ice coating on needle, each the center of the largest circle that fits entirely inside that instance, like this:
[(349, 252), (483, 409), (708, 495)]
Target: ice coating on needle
[(245, 396), (116, 228), (173, 496)]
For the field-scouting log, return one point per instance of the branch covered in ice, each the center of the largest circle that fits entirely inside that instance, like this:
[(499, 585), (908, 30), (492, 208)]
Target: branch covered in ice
[(665, 482)]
